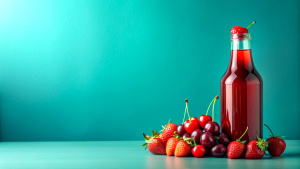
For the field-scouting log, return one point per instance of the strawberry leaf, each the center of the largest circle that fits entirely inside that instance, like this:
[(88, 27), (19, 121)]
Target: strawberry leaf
[(190, 141), (146, 145), (177, 136), (244, 141), (261, 144), (169, 122), (162, 130), (146, 136)]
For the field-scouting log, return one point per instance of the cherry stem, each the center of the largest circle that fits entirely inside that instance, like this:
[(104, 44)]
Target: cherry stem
[(270, 130), (187, 109), (251, 24), (213, 110), (209, 106), (243, 134), (184, 116)]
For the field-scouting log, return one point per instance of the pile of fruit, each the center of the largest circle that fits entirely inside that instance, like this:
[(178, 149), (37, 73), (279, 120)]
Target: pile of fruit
[(201, 137)]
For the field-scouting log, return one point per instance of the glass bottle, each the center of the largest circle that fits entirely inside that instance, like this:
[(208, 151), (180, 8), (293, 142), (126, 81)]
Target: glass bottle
[(241, 92)]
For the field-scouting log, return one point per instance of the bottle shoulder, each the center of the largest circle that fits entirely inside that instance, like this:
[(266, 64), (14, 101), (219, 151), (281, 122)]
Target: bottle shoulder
[(248, 77)]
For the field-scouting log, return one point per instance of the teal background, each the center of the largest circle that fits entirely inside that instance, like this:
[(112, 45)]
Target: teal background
[(109, 70)]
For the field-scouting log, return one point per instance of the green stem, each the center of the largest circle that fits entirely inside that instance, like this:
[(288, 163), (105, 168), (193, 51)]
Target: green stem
[(184, 115), (251, 24), (270, 130), (243, 134), (209, 106), (213, 110), (187, 109)]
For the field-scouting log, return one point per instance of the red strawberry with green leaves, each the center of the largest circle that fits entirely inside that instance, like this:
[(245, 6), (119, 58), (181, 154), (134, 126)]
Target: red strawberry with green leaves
[(183, 148), (236, 148), (171, 145), (256, 149), (276, 144), (239, 29), (168, 131), (154, 144)]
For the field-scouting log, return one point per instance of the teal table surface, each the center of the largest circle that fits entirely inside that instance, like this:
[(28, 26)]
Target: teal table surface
[(124, 154)]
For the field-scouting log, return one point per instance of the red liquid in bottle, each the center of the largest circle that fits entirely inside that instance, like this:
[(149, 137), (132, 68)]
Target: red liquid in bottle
[(241, 94)]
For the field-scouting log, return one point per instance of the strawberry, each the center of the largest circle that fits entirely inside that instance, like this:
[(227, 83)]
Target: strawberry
[(171, 146), (163, 137), (256, 149), (239, 29), (183, 148), (276, 144), (155, 145), (236, 148), (168, 131)]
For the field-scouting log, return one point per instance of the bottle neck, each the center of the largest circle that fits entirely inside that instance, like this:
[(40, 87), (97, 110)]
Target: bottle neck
[(241, 57), (240, 44)]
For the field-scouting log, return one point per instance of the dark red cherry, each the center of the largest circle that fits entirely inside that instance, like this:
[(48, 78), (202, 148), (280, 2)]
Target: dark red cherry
[(218, 150), (207, 140), (186, 135), (180, 130), (224, 139), (196, 135), (207, 152), (212, 127)]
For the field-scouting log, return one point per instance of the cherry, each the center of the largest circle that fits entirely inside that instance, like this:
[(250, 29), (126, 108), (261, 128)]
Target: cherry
[(186, 135), (207, 152), (239, 29), (207, 140), (180, 130), (223, 139), (194, 118), (198, 151), (211, 126), (192, 124), (218, 150), (196, 135), (203, 119)]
